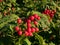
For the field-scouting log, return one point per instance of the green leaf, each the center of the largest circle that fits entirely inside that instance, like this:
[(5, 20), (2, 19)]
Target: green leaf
[(27, 41), (13, 1), (56, 5), (11, 27), (7, 19), (0, 16), (9, 4), (51, 43), (39, 38), (52, 24)]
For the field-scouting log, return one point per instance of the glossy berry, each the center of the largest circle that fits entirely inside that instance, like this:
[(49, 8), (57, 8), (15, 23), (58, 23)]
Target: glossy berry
[(54, 11), (28, 25), (38, 17), (19, 21), (47, 12), (19, 33), (17, 28), (26, 33), (50, 12), (35, 22), (30, 34), (36, 29), (32, 30), (29, 29), (31, 18), (35, 16), (51, 15), (28, 20)]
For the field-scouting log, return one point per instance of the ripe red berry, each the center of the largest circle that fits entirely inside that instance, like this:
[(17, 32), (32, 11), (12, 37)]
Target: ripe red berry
[(19, 21), (35, 15), (51, 15), (32, 30), (31, 18), (38, 18), (17, 28), (29, 29), (19, 32), (35, 22), (28, 20), (26, 33), (54, 11), (47, 12), (36, 29), (28, 25), (30, 34)]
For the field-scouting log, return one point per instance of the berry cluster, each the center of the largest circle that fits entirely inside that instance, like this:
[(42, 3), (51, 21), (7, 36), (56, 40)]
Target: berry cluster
[(49, 12), (18, 30), (30, 30)]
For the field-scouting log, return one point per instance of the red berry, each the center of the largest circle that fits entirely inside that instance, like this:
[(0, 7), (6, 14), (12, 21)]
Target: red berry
[(32, 30), (19, 32), (51, 15), (19, 21), (54, 11), (35, 15), (28, 20), (26, 33), (17, 28), (35, 22), (28, 25), (30, 34), (38, 18), (48, 10), (36, 29), (45, 11), (31, 18), (29, 29)]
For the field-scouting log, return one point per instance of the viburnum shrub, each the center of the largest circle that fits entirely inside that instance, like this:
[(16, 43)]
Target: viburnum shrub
[(29, 22)]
